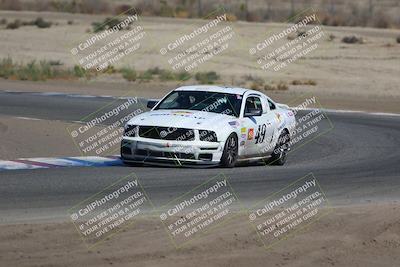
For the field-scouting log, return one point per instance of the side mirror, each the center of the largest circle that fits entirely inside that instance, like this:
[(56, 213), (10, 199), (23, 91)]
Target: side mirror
[(253, 112), (151, 103)]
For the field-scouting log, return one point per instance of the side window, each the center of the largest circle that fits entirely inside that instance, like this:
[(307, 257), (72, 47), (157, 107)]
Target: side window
[(253, 103), (271, 105)]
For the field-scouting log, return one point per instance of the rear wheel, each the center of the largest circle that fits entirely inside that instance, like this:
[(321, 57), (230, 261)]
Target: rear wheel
[(230, 154), (279, 155)]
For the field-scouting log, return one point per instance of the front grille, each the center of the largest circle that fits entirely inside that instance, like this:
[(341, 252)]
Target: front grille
[(166, 133), (130, 130)]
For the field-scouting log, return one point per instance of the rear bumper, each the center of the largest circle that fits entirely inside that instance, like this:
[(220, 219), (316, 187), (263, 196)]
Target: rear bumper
[(138, 149)]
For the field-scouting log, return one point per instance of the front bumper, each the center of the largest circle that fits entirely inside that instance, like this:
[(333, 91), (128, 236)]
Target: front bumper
[(138, 149)]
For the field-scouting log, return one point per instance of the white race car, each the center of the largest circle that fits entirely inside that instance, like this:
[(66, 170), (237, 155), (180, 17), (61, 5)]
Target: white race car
[(210, 125)]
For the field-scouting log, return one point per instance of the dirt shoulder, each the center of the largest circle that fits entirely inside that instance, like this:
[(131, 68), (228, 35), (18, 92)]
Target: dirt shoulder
[(365, 235), (50, 138)]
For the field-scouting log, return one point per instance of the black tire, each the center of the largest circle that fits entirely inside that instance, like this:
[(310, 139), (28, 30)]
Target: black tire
[(279, 155), (230, 154)]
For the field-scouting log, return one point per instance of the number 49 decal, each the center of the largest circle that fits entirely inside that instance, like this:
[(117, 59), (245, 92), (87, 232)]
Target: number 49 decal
[(260, 136)]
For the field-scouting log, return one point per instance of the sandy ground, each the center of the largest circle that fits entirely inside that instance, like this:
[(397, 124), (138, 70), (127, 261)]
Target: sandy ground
[(348, 236)]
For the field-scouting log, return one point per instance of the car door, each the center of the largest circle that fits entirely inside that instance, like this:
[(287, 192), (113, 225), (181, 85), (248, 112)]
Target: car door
[(267, 129), (257, 126)]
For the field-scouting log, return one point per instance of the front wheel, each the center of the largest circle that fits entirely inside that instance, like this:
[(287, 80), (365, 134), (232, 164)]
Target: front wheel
[(230, 154)]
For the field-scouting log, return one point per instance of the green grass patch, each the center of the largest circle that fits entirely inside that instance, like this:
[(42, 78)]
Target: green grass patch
[(39, 71), (209, 77), (129, 74)]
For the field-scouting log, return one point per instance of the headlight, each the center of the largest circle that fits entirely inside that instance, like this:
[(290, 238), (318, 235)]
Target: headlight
[(130, 130), (208, 136)]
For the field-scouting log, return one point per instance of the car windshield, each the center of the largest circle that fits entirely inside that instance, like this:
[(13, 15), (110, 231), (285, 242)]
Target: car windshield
[(222, 103)]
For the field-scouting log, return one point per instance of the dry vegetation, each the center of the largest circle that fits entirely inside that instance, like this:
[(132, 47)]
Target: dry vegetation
[(372, 13), (54, 70), (353, 40), (50, 70)]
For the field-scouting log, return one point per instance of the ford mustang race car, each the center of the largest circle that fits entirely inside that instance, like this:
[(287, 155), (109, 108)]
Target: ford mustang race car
[(209, 125)]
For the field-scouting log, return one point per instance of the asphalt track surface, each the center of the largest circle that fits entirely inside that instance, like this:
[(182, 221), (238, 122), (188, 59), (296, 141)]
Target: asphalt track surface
[(357, 162)]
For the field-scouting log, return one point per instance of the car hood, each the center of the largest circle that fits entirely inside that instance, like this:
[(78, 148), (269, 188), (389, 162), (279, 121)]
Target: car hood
[(183, 119)]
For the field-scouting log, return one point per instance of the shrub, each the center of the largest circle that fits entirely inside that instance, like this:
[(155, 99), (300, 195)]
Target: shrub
[(111, 22), (3, 21), (207, 77), (181, 12), (256, 86), (166, 10), (304, 82), (41, 23), (29, 72), (129, 74), (273, 87), (55, 63), (254, 79), (155, 71), (183, 75), (45, 70), (269, 87), (6, 68), (147, 75), (282, 86), (353, 40), (106, 24), (79, 71), (98, 27), (14, 25), (231, 17), (331, 37), (109, 70), (167, 75)]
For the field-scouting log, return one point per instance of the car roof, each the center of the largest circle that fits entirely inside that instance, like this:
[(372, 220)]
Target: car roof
[(217, 89)]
